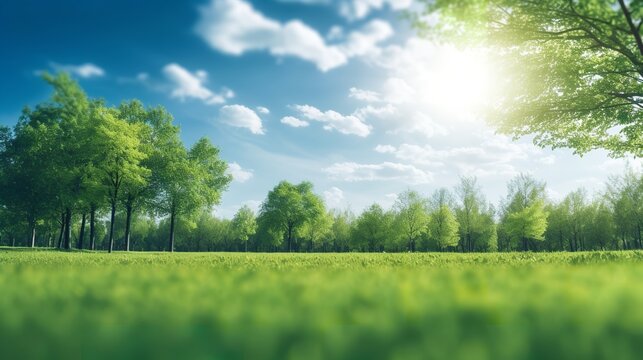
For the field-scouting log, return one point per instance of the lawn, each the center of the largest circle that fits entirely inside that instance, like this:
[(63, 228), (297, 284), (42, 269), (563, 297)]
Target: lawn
[(321, 306)]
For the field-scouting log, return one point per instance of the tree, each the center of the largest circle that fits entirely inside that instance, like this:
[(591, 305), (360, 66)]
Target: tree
[(475, 216), (576, 214), (372, 229), (443, 228), (25, 186), (120, 155), (287, 208), (317, 229), (411, 217), (340, 233), (244, 225), (574, 69), (625, 196), (524, 218), (186, 182)]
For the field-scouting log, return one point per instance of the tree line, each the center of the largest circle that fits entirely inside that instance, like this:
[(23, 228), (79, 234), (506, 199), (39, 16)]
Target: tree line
[(72, 163), (76, 173)]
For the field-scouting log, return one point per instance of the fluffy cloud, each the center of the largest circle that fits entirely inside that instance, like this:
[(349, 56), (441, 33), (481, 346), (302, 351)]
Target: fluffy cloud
[(235, 27), (191, 85), (293, 121), (359, 9), (495, 156), (238, 173), (364, 42), (263, 110), (386, 171), (86, 71), (332, 120), (364, 95), (333, 197), (241, 116)]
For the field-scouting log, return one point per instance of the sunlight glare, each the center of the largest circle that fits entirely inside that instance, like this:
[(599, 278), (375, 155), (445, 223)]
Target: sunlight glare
[(460, 83)]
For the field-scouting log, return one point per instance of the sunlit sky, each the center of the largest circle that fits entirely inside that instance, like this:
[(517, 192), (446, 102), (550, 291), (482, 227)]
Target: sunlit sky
[(341, 93)]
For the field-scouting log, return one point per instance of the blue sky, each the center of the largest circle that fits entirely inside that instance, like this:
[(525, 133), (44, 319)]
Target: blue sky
[(341, 93)]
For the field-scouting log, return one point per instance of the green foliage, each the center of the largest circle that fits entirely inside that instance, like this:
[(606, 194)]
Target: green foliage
[(373, 230), (287, 208), (244, 224), (476, 218), (411, 217), (570, 71), (524, 218), (443, 228)]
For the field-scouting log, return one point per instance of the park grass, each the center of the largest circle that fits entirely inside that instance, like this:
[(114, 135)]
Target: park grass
[(72, 305)]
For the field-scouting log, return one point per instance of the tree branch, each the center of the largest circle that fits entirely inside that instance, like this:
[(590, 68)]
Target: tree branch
[(633, 28)]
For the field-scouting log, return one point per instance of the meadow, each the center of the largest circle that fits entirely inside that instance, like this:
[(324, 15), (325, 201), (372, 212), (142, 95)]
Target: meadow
[(72, 305)]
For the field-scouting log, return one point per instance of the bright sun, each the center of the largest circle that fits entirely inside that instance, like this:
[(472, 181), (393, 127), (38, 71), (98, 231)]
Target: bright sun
[(458, 82)]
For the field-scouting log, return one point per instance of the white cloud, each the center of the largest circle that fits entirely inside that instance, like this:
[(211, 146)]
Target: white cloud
[(385, 149), (241, 116), (263, 110), (365, 41), (238, 173), (336, 32), (386, 171), (293, 121), (191, 85), (495, 156), (364, 95), (359, 9), (235, 27), (87, 70), (332, 120), (333, 197)]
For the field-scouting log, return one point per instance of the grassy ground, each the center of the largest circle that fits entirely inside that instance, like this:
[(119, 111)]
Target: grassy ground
[(321, 306)]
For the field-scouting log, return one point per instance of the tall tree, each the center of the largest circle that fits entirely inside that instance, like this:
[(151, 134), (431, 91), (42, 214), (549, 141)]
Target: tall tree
[(340, 234), (244, 225), (524, 217), (372, 230), (443, 228), (287, 208), (119, 148), (186, 182), (411, 217), (574, 69), (475, 216)]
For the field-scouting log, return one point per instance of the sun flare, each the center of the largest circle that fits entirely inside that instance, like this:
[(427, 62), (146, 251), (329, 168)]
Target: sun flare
[(460, 82)]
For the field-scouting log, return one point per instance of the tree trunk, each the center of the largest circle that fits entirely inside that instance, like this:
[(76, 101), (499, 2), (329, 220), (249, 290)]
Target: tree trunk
[(32, 225), (81, 235), (13, 241), (128, 222), (111, 227), (172, 216), (624, 243), (62, 231), (289, 238), (67, 236), (92, 227)]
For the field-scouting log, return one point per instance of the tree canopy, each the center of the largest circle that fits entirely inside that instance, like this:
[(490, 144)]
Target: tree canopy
[(571, 71)]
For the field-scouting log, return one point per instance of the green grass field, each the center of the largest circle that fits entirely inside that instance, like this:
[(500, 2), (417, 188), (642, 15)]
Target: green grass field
[(321, 306)]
